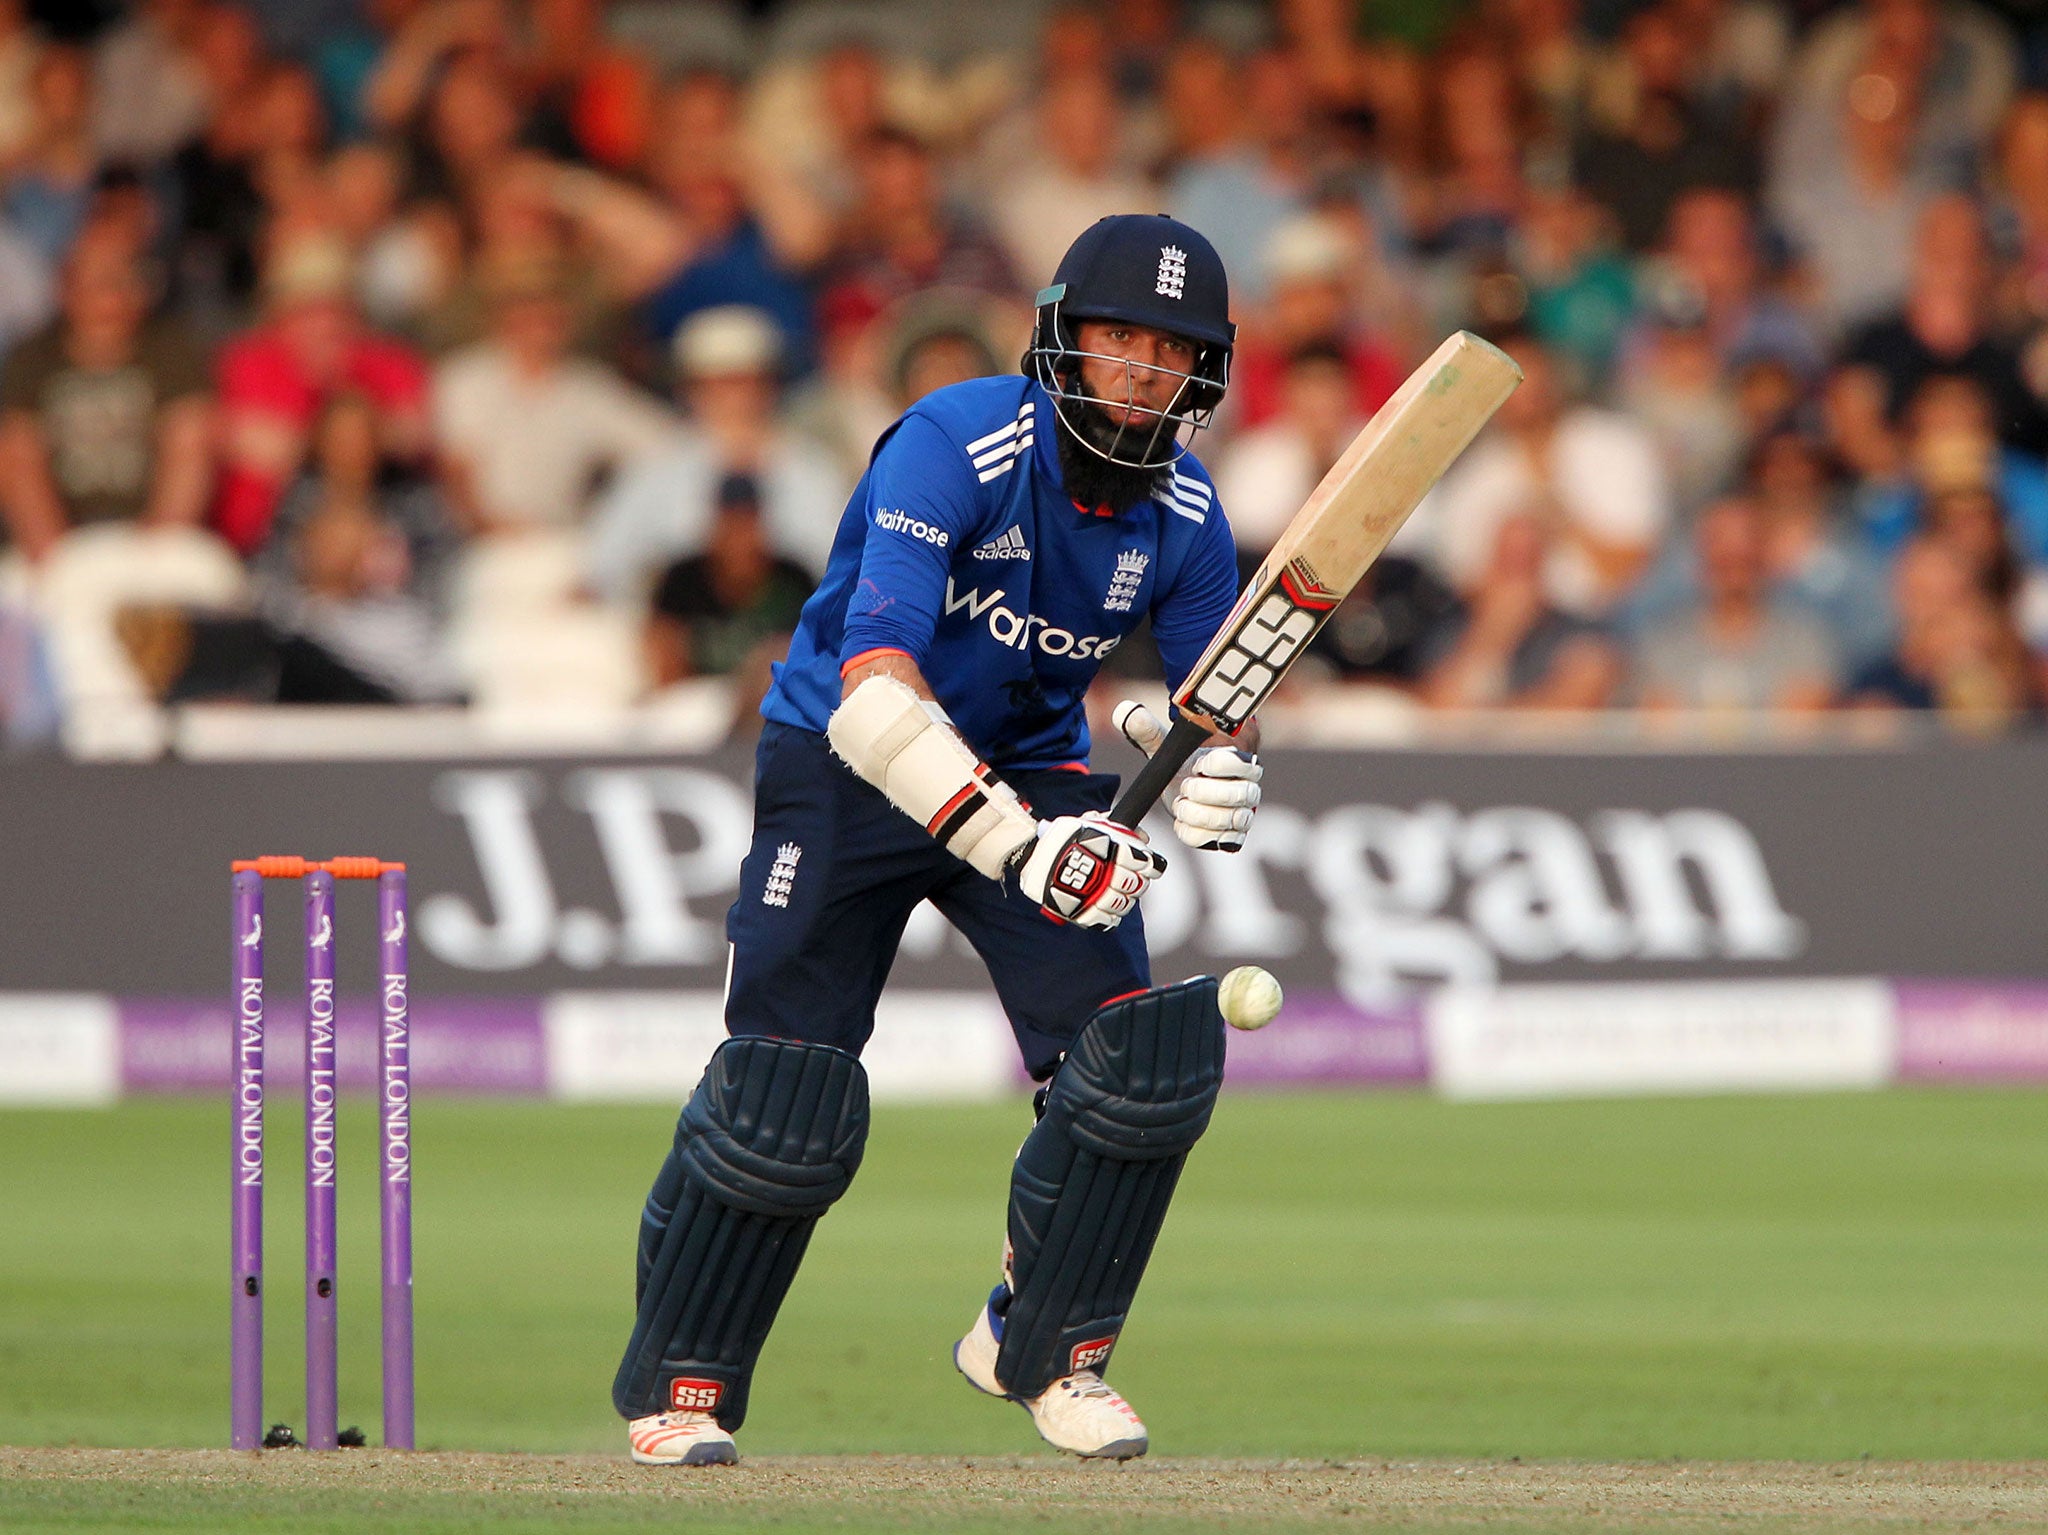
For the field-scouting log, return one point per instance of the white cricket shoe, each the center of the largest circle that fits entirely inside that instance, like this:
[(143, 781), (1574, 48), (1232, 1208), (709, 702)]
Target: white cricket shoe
[(681, 1439), (1079, 1414)]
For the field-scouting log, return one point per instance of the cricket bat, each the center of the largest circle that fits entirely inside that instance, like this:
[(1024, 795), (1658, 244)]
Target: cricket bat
[(1327, 549)]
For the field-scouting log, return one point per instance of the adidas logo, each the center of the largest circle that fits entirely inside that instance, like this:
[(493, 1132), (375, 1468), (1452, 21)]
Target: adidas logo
[(1007, 545)]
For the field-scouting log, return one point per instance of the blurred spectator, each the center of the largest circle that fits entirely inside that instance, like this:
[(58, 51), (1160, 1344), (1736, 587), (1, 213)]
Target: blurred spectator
[(423, 36), (873, 372), (1710, 258), (347, 590), (1657, 140), (1816, 561), (718, 230), (1265, 474), (1675, 387), (1957, 652), (1850, 195), (811, 118), (525, 430), (20, 46), (1238, 190), (277, 379), (1734, 651), (1950, 446), (1972, 523), (1953, 57), (1581, 289), (1074, 177), (1553, 61), (2019, 211), (1591, 477), (404, 254), (1314, 303), (45, 191), (104, 415), (591, 100), (1512, 648), (1944, 326), (151, 93), (660, 507), (900, 238), (217, 182), (1200, 104), (711, 611), (1737, 52), (465, 129), (357, 557), (1470, 200)]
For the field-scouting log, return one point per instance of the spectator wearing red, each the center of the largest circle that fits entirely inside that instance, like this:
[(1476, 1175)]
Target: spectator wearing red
[(276, 380)]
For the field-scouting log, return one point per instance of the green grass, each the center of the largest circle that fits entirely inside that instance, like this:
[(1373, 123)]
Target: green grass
[(1814, 1278)]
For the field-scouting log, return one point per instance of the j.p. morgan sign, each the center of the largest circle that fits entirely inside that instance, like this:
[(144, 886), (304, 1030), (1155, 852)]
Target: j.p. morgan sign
[(1368, 874), (1392, 896)]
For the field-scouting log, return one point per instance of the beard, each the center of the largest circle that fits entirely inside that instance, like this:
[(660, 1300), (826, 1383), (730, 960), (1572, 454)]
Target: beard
[(1092, 479)]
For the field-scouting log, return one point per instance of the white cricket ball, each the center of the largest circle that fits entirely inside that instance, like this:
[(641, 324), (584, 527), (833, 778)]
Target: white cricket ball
[(1249, 997)]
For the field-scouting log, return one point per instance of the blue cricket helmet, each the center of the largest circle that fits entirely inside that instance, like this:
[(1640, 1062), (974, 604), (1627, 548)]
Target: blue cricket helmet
[(1150, 270), (1146, 269)]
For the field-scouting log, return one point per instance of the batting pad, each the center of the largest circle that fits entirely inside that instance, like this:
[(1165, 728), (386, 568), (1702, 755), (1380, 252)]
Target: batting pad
[(1092, 1182), (770, 1139)]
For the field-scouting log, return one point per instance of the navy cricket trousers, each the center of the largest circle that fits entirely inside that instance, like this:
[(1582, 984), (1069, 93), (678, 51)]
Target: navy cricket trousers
[(836, 870)]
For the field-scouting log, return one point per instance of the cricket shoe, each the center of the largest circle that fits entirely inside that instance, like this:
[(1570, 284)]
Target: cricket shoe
[(681, 1439), (1078, 1413)]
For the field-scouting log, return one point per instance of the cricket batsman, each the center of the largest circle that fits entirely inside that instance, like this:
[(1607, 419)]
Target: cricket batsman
[(926, 740)]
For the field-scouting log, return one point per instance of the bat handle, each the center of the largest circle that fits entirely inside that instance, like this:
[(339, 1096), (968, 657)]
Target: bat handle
[(1181, 743)]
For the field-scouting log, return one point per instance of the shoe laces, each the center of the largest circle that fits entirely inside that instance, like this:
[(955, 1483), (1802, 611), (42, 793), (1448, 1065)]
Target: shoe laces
[(1087, 1383)]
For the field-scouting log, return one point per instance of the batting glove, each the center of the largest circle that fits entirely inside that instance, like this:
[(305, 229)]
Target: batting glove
[(1214, 806), (1088, 870)]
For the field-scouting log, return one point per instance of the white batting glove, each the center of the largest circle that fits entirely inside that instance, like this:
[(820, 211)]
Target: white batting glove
[(1214, 806), (1088, 870)]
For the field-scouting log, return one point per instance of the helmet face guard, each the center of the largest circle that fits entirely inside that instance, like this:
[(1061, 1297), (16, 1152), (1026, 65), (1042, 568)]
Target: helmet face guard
[(1149, 437)]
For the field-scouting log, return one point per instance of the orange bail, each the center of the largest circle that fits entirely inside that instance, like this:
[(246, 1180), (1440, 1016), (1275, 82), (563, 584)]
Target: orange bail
[(291, 866)]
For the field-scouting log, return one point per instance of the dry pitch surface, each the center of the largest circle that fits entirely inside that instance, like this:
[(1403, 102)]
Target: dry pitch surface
[(70, 1489)]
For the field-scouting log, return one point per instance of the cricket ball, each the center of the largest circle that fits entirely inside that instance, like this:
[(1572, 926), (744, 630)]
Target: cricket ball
[(1249, 997)]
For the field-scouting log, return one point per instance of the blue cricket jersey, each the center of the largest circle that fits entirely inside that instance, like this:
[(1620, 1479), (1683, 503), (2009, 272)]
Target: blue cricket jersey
[(961, 548)]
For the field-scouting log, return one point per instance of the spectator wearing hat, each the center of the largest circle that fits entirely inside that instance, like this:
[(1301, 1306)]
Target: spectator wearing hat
[(105, 416), (276, 380), (660, 506), (524, 429)]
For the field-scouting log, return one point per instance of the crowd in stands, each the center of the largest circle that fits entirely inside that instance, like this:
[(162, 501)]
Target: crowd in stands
[(525, 351)]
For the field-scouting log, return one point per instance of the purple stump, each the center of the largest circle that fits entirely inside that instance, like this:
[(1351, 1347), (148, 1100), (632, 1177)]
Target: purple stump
[(245, 1164), (323, 1401), (394, 1099)]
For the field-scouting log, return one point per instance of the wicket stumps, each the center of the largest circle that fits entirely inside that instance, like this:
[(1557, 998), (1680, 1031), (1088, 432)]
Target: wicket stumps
[(394, 1097)]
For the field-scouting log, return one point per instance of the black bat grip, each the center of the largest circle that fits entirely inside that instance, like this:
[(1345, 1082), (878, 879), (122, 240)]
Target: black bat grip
[(1182, 742)]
